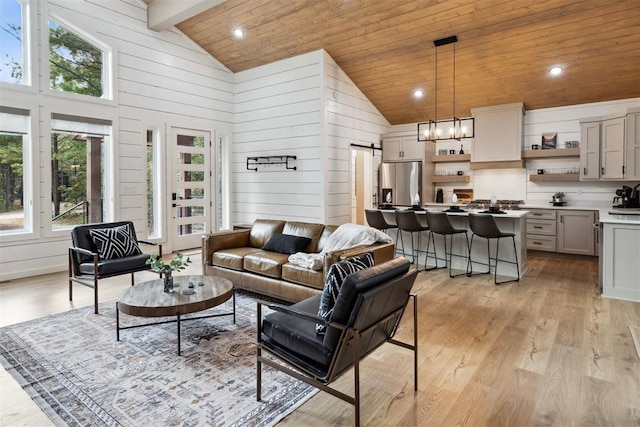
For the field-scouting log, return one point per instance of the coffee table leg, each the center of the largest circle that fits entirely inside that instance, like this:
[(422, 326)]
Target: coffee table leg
[(234, 306), (178, 322), (117, 323)]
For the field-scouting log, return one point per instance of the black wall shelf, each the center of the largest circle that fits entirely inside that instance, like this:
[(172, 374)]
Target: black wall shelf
[(254, 162)]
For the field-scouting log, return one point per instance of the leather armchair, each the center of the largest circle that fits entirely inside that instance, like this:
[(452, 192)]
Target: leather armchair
[(86, 267), (366, 314)]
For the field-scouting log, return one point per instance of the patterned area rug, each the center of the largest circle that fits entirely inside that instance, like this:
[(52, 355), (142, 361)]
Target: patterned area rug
[(73, 367)]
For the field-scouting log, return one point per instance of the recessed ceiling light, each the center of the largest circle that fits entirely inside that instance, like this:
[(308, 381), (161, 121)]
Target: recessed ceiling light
[(238, 33), (555, 71), (418, 93)]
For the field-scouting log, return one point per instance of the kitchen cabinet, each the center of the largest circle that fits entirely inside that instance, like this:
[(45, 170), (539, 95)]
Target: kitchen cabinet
[(633, 146), (498, 133), (562, 230), (541, 230), (575, 232), (402, 149), (612, 149), (590, 151), (621, 245)]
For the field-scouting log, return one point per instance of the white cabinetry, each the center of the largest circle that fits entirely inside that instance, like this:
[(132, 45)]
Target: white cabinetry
[(590, 151), (612, 160), (402, 149), (633, 146), (498, 133), (621, 269), (610, 148), (576, 232), (541, 230)]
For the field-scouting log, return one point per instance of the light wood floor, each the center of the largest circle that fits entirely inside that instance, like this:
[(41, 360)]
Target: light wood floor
[(545, 351)]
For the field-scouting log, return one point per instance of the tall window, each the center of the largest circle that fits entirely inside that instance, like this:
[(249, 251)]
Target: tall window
[(13, 42), (154, 184), (14, 195), (223, 201), (75, 64), (78, 152)]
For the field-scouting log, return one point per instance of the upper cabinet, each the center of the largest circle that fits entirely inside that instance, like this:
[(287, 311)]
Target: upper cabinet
[(633, 146), (402, 149), (610, 148), (498, 133)]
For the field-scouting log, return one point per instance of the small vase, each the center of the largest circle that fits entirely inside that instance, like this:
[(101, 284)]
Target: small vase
[(168, 283)]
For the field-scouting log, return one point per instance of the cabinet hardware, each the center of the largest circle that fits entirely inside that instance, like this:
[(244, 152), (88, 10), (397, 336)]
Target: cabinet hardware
[(623, 170), (585, 171), (537, 243), (537, 214), (602, 170), (537, 226), (561, 218)]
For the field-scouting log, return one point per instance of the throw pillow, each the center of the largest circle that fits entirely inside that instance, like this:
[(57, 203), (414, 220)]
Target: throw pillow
[(337, 273), (115, 242), (286, 243)]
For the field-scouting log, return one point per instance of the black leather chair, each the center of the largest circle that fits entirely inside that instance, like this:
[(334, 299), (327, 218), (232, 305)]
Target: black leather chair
[(366, 314), (86, 266), (439, 224), (483, 225)]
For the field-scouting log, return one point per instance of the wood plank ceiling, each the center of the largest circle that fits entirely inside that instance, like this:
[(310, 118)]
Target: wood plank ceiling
[(504, 51)]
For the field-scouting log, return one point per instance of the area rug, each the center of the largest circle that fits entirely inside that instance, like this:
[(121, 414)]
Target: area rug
[(73, 367), (635, 334)]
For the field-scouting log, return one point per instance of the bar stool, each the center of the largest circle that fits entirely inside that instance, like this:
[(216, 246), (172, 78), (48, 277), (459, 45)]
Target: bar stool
[(408, 221), (485, 226), (439, 224), (375, 219)]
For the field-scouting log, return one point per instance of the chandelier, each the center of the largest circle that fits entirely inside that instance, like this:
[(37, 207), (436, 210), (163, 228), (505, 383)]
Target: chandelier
[(455, 128)]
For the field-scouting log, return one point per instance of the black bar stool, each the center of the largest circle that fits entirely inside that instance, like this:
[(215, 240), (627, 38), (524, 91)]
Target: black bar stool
[(375, 219), (439, 224), (408, 221), (483, 225)]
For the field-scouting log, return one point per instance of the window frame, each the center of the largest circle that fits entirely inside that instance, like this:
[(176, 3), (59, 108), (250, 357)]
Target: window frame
[(109, 64), (29, 49), (31, 177), (109, 174), (160, 155)]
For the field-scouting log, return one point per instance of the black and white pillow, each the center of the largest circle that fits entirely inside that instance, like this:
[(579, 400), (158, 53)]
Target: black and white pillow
[(115, 242), (337, 273)]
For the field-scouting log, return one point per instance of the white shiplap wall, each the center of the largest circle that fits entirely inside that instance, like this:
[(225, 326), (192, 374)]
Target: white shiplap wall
[(350, 118), (161, 79), (307, 107)]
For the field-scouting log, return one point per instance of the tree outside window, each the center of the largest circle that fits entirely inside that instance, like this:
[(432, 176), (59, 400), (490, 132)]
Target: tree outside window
[(75, 65), (11, 41)]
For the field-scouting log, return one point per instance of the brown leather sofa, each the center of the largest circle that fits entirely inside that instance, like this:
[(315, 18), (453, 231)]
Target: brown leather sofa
[(238, 256)]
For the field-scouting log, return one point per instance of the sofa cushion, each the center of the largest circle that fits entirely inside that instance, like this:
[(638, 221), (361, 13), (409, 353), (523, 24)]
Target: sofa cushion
[(115, 242), (337, 274), (262, 230), (117, 266), (304, 276), (231, 258), (286, 243), (265, 263), (305, 229), (324, 237)]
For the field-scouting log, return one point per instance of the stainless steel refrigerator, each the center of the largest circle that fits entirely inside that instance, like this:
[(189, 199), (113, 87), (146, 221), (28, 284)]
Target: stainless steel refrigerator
[(400, 182)]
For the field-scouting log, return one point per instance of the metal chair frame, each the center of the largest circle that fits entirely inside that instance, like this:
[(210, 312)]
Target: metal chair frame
[(496, 258)]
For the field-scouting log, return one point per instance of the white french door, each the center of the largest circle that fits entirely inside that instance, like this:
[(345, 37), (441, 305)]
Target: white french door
[(190, 184)]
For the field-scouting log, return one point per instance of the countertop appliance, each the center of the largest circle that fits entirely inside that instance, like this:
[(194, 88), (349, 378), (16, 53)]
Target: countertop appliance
[(627, 197), (400, 182)]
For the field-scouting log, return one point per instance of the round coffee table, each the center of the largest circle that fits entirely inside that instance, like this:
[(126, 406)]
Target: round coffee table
[(148, 299)]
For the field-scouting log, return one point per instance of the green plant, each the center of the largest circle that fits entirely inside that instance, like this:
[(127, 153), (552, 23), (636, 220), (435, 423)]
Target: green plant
[(559, 195), (161, 267)]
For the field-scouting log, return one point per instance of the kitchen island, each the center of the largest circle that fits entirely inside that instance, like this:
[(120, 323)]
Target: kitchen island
[(512, 221), (620, 255)]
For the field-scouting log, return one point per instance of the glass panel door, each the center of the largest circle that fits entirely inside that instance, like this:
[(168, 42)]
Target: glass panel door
[(191, 187)]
